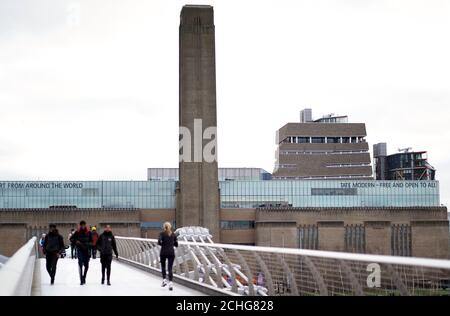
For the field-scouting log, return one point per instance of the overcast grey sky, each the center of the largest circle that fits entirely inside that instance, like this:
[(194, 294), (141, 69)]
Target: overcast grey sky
[(95, 96)]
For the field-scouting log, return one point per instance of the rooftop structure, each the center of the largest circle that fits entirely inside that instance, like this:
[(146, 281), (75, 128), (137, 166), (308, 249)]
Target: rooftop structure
[(328, 148), (225, 174)]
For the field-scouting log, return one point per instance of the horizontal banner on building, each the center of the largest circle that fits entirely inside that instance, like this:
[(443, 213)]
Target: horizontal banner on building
[(41, 185), (390, 184)]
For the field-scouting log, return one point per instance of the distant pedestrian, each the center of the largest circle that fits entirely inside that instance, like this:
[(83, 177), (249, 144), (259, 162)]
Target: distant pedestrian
[(106, 244), (82, 238), (167, 240), (52, 247), (260, 279), (73, 248), (94, 242), (41, 243)]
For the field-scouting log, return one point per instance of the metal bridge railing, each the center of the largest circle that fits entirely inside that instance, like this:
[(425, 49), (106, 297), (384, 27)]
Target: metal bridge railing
[(16, 276), (249, 270)]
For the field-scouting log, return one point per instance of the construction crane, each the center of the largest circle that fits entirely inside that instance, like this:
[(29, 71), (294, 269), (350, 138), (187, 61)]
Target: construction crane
[(405, 150)]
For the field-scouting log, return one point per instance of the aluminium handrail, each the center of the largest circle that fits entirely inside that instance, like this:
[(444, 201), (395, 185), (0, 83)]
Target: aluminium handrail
[(412, 261)]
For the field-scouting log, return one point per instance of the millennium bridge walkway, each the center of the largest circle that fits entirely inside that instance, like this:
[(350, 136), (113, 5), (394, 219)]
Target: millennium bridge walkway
[(205, 268)]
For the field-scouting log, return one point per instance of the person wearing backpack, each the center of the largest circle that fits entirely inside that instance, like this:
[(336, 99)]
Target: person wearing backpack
[(106, 244), (52, 247)]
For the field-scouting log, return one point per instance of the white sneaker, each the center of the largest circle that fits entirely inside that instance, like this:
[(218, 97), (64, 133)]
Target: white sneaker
[(170, 286), (164, 283)]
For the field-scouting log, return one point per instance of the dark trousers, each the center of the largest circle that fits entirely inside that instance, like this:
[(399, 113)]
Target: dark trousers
[(106, 260), (73, 251), (51, 261), (83, 260), (170, 260), (94, 252)]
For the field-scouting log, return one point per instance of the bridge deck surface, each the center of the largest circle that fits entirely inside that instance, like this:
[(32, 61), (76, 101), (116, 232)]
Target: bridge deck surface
[(125, 280)]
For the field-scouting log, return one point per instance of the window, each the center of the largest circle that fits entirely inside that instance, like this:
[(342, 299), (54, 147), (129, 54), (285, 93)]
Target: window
[(155, 225), (286, 166), (347, 165), (308, 237), (303, 140), (89, 192), (355, 238), (152, 225), (353, 140), (333, 139), (235, 225), (401, 244), (318, 140), (335, 191), (345, 140)]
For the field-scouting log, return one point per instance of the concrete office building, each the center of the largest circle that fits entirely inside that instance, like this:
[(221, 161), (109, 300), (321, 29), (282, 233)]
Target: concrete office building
[(327, 148)]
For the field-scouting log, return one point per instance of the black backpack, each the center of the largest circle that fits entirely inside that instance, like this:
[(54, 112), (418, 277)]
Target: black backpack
[(52, 243)]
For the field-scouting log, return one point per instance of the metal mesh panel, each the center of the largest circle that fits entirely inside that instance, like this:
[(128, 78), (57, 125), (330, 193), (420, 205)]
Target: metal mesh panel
[(275, 271)]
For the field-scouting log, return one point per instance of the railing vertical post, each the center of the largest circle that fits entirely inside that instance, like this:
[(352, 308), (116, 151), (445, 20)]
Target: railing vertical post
[(185, 264), (234, 286), (248, 272), (156, 251), (153, 259), (177, 261), (195, 264), (267, 273)]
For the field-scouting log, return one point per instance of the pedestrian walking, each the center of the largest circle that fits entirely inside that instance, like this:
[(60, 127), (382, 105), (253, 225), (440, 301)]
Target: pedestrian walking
[(167, 240), (41, 244), (52, 247), (73, 248), (82, 239), (94, 242), (106, 244)]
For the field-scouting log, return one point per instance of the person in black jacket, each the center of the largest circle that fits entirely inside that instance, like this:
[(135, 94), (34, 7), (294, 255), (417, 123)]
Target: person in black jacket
[(52, 247), (73, 248), (167, 240), (82, 239), (106, 244)]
